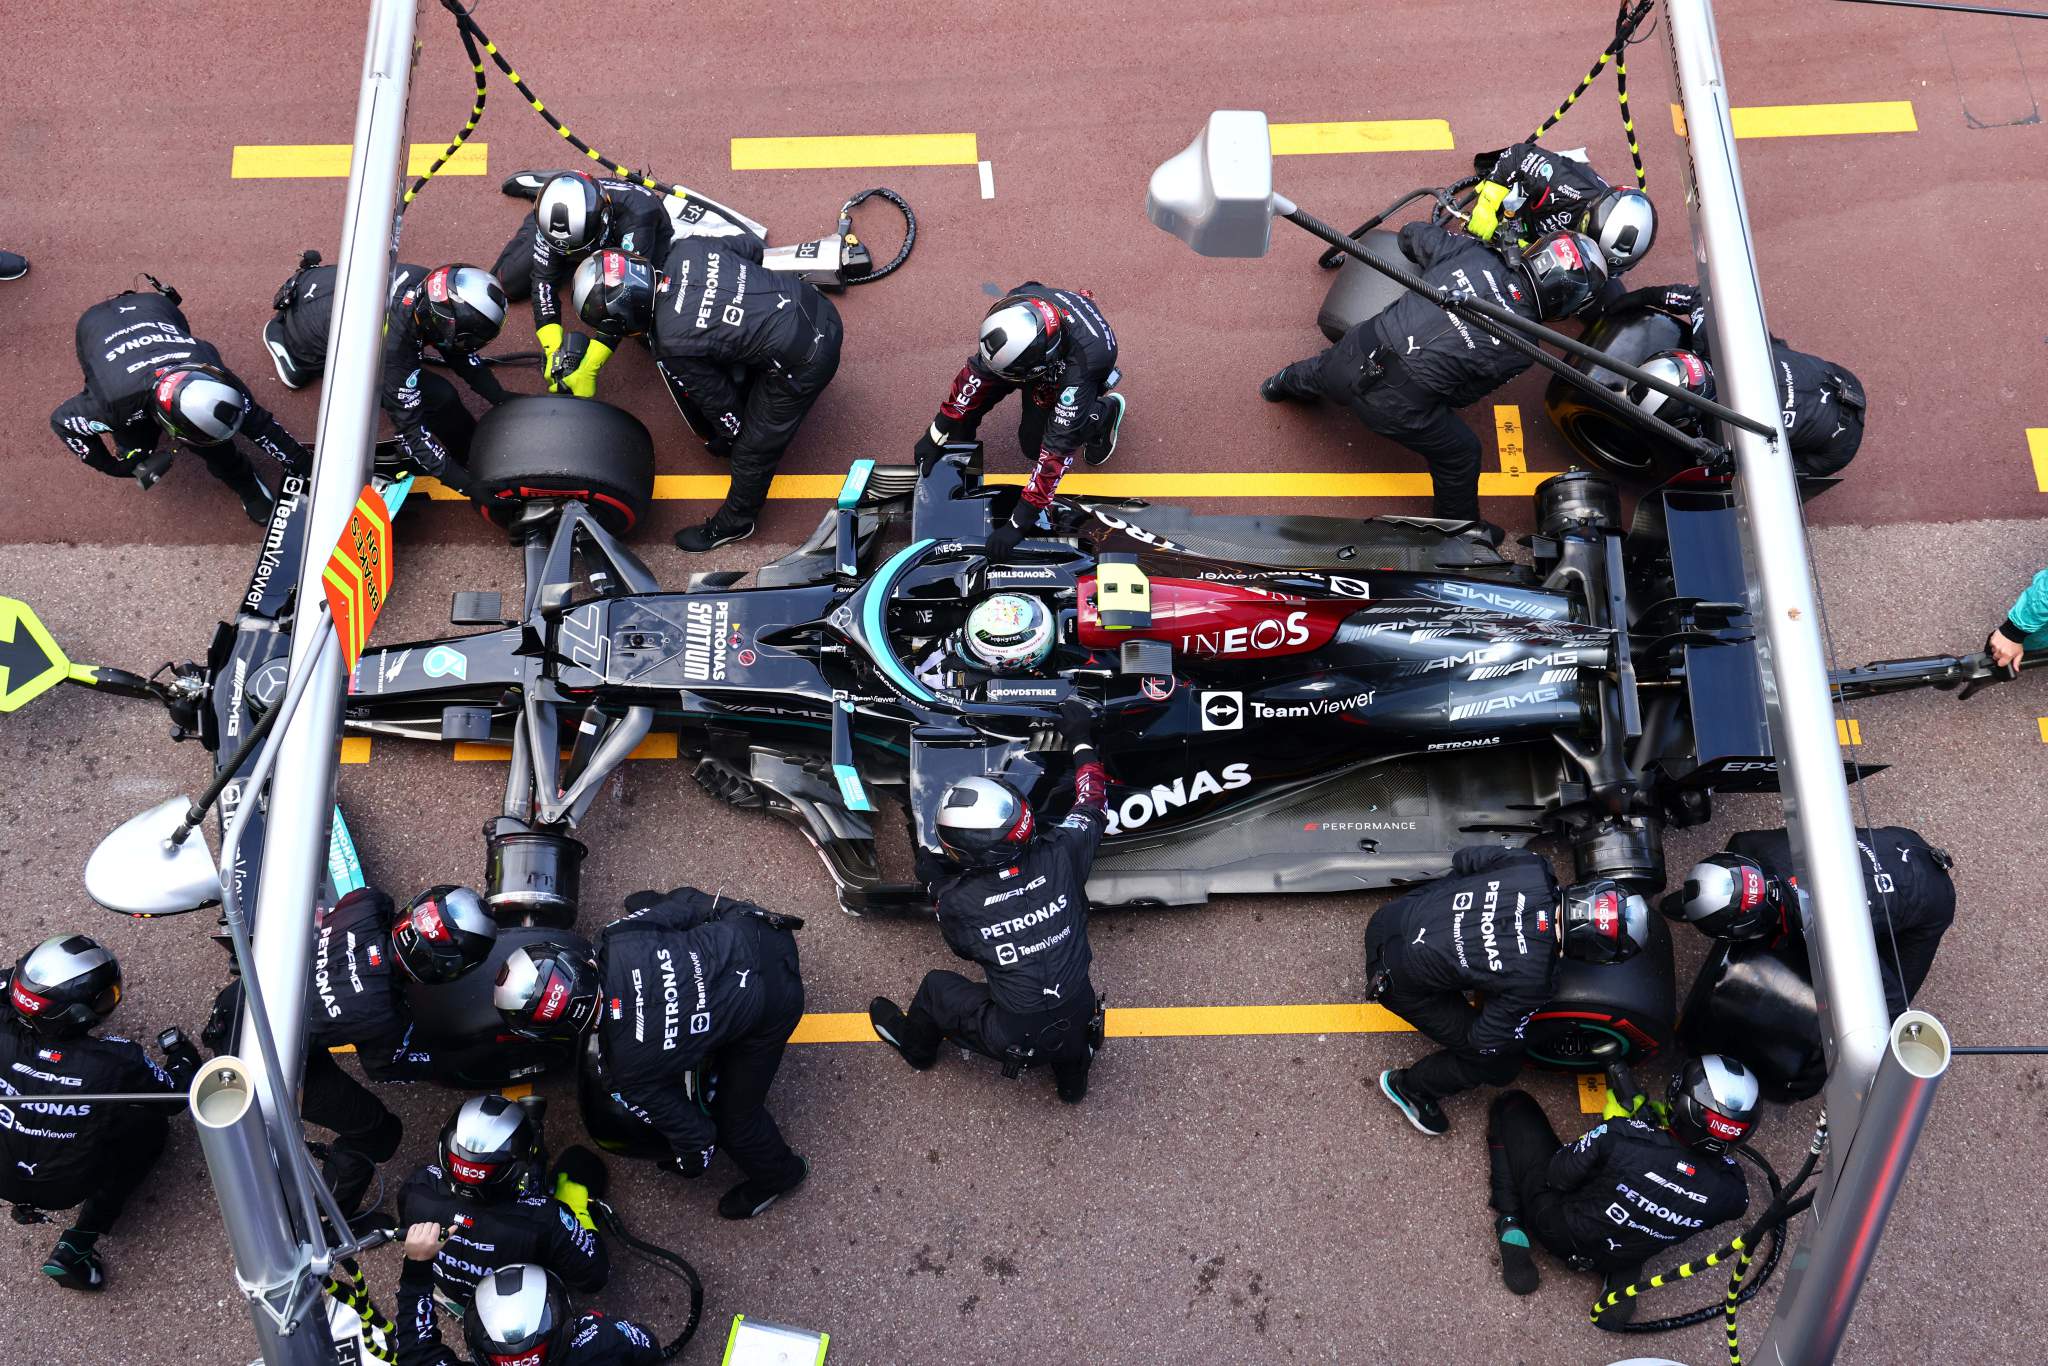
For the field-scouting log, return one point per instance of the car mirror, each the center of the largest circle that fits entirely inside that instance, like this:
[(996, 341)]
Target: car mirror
[(1217, 196), (137, 871)]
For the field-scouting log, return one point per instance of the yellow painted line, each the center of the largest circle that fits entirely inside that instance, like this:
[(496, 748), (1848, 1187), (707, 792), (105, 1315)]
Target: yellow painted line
[(1376, 135), (659, 746), (1507, 431), (1166, 1022), (517, 1092), (1848, 731), (1592, 1093), (1814, 120), (355, 749), (2043, 723), (815, 154), (330, 160), (2037, 446)]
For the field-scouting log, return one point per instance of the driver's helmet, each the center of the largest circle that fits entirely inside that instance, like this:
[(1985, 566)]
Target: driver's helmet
[(1009, 633), (1686, 369), (1624, 223), (1715, 1102), (1602, 923), (1728, 896)]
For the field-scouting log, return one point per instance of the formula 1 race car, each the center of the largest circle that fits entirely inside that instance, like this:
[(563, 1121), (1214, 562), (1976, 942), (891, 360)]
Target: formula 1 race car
[(1286, 703)]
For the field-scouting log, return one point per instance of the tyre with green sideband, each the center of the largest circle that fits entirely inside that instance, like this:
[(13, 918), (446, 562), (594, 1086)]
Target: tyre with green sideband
[(1619, 1012), (553, 447)]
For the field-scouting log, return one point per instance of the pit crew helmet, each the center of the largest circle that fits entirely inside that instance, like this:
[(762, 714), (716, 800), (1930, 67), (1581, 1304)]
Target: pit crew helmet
[(1601, 923), (983, 821), (614, 292), (442, 933), (461, 307), (199, 404), (1565, 270), (1714, 1103), (1728, 896), (1624, 223), (490, 1150), (519, 1314), (574, 212), (1687, 369), (1022, 337), (1009, 633), (546, 989), (65, 985)]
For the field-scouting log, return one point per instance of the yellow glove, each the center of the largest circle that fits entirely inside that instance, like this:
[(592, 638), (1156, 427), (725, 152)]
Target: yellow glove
[(550, 339), (576, 1197), (582, 381), (1486, 210)]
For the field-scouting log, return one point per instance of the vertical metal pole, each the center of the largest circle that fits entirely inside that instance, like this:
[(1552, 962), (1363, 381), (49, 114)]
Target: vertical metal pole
[(1854, 1017), (269, 1247), (1829, 1267)]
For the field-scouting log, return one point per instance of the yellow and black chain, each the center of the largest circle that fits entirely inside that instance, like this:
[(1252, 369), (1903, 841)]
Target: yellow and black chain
[(1630, 18), (1685, 1271), (1732, 1304), (348, 1287), (472, 36)]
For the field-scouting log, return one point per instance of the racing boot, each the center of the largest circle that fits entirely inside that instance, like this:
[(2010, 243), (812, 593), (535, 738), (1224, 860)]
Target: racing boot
[(1614, 1283), (289, 373), (751, 1197), (1070, 1081), (12, 267), (1098, 451), (1517, 1266), (918, 1047), (719, 530), (1426, 1115), (1295, 384), (75, 1262)]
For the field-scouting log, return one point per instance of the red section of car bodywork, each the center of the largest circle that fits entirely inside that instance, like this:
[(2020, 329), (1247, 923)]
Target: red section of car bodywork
[(1222, 620)]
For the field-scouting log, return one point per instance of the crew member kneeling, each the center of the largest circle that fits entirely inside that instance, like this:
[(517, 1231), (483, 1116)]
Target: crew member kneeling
[(1497, 926), (720, 312), (694, 998), (520, 1314), (1404, 371), (1017, 903), (1625, 1190), (59, 1154)]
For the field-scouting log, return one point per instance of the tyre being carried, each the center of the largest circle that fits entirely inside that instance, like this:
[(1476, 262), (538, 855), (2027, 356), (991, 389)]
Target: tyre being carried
[(555, 447)]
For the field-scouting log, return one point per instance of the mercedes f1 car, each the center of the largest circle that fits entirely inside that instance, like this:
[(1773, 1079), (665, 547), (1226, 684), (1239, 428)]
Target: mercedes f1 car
[(1286, 703)]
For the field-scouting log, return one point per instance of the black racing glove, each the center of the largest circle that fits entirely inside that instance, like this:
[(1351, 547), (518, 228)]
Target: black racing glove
[(1076, 724), (928, 453), (691, 1165), (1003, 540)]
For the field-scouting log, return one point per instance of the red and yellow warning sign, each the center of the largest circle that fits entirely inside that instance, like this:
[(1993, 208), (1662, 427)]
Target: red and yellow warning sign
[(358, 575)]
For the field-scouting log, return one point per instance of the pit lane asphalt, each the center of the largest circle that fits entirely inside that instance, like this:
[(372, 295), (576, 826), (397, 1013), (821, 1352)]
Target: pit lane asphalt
[(1217, 1199)]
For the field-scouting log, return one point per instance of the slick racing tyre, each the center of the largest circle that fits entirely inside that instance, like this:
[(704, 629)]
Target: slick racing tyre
[(1360, 292), (552, 447), (1630, 336), (610, 1124), (458, 1024), (1756, 1001), (1601, 1014)]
